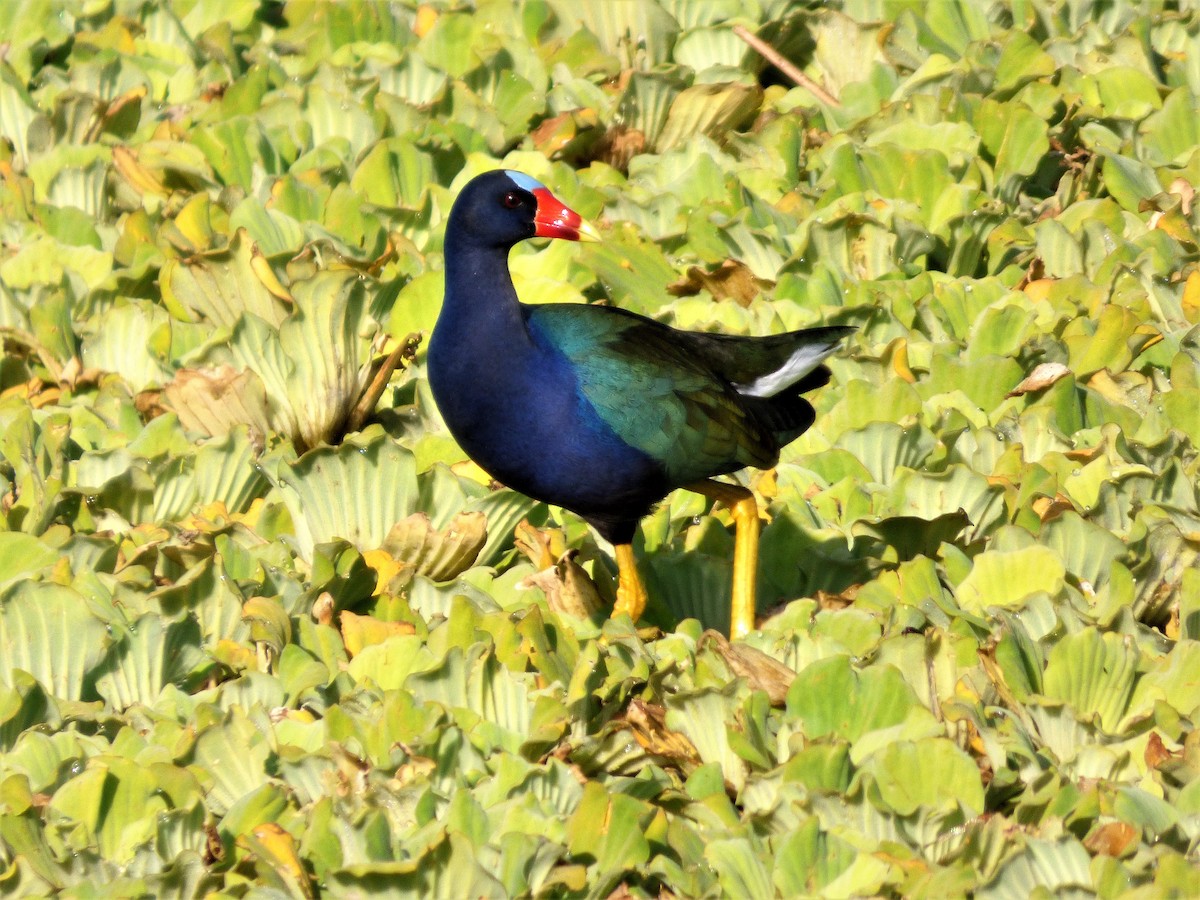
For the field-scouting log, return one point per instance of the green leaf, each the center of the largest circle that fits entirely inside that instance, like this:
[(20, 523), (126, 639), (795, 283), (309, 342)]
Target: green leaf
[(1095, 674), (48, 632), (931, 774), (117, 802), (234, 753), (1129, 181), (610, 829), (151, 655), (315, 489), (1009, 578), (220, 287), (830, 698), (21, 555), (740, 867), (1055, 866)]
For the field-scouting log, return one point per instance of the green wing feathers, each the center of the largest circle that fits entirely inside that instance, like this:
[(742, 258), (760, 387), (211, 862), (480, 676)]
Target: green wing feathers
[(678, 401)]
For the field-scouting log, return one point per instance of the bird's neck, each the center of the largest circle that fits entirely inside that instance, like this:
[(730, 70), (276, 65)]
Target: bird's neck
[(479, 291)]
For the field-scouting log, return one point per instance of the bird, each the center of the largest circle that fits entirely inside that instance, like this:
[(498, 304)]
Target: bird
[(600, 410)]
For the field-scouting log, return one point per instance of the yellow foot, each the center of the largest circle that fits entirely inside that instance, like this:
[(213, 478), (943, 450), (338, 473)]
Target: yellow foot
[(744, 509), (631, 593)]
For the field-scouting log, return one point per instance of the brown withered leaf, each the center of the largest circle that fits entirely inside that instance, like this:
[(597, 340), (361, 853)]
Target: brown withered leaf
[(1157, 753), (215, 399), (568, 587), (977, 750), (214, 850), (618, 146), (149, 405), (1111, 839), (762, 672), (441, 555), (731, 280), (350, 775), (1182, 188), (648, 723), (1084, 454), (828, 601), (1035, 272), (323, 608), (540, 546), (1040, 378), (995, 674)]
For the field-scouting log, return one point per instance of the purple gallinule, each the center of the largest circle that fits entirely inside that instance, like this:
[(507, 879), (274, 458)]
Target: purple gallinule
[(599, 410)]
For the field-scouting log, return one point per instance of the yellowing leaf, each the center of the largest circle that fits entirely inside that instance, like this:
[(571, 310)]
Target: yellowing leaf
[(276, 848), (385, 566), (424, 20), (1191, 297), (363, 631), (138, 176)]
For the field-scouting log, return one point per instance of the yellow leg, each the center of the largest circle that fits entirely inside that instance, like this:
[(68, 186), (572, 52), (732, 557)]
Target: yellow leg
[(744, 510), (631, 593)]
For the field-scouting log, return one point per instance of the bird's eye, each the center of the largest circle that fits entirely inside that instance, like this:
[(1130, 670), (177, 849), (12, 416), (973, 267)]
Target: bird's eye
[(511, 200)]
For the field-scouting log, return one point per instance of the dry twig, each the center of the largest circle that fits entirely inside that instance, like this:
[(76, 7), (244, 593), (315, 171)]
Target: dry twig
[(775, 58)]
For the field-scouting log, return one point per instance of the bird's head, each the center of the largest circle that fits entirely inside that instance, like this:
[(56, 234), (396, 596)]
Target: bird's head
[(502, 207)]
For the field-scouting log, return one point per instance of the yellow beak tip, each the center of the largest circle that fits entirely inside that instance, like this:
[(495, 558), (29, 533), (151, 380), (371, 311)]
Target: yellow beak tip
[(588, 232)]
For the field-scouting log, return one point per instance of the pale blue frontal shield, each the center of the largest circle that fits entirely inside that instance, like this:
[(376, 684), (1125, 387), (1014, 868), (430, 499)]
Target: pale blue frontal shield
[(524, 182)]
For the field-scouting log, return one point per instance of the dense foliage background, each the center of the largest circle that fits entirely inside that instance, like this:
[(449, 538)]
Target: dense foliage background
[(265, 632)]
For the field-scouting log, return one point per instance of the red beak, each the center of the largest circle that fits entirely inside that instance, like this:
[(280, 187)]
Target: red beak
[(554, 219)]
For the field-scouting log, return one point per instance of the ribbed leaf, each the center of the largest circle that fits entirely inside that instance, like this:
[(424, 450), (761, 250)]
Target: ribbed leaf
[(325, 342), (47, 631), (1058, 866), (641, 34), (21, 555), (501, 698), (931, 774), (701, 717), (72, 175), (221, 286), (884, 447), (17, 112), (356, 492), (741, 868), (235, 753), (215, 400), (117, 802), (149, 656), (132, 340), (440, 555), (709, 109), (336, 118), (1094, 673)]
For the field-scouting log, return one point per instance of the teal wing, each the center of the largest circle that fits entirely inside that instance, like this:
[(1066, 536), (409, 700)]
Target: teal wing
[(655, 391)]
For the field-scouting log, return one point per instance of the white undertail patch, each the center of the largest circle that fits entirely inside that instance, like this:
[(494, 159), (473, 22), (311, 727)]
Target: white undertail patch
[(799, 364)]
